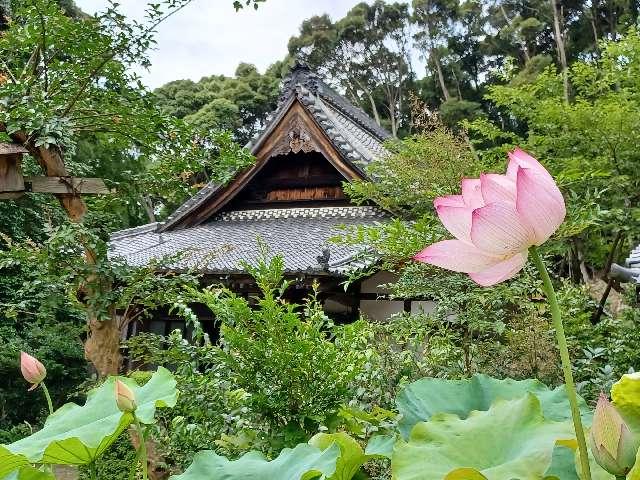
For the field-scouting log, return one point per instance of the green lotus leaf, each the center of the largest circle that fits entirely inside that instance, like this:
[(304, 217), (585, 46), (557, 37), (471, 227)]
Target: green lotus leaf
[(304, 462), (76, 435), (28, 472), (512, 439), (381, 446), (352, 457), (465, 474), (420, 400), (10, 462), (17, 467), (563, 464)]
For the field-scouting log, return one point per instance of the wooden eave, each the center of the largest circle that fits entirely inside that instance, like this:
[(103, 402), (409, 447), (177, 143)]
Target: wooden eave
[(277, 140)]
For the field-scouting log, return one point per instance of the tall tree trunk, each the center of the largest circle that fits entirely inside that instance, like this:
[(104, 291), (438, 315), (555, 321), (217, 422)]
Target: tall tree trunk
[(443, 85), (594, 26), (374, 108), (523, 44), (560, 46), (102, 347), (392, 117), (147, 204)]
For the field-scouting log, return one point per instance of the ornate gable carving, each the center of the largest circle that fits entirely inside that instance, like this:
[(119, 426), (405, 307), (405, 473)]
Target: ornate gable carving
[(295, 138)]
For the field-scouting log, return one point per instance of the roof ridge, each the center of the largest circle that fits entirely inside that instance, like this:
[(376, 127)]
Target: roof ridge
[(354, 112), (133, 231), (352, 211)]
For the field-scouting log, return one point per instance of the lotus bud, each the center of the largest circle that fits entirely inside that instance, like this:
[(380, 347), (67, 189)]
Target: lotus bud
[(612, 443), (32, 370), (125, 398)]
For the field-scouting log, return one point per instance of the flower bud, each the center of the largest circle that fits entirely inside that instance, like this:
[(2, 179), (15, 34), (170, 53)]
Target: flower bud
[(32, 370), (125, 398), (612, 443)]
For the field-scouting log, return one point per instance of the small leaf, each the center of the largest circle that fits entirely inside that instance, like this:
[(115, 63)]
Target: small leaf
[(352, 457), (465, 474), (381, 446)]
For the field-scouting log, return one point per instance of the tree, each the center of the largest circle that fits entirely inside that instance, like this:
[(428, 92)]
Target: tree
[(239, 104), (366, 54), (434, 19), (589, 144), (65, 77)]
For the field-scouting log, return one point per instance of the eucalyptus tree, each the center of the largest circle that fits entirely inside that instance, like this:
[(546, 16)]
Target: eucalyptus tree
[(367, 54), (435, 22)]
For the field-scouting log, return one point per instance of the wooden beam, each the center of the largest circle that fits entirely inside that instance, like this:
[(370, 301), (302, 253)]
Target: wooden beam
[(72, 185), (11, 149)]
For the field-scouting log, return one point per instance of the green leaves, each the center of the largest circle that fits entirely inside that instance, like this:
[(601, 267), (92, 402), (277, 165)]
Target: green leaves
[(352, 457), (10, 462), (424, 398), (512, 439), (304, 462), (76, 435)]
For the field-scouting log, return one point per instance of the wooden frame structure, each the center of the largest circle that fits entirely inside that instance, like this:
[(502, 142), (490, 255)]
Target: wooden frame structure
[(13, 184)]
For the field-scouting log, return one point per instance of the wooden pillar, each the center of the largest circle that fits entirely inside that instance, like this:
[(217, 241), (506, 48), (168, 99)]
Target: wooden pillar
[(11, 180)]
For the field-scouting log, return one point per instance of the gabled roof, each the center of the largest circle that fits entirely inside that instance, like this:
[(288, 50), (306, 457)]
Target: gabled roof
[(356, 138), (310, 117), (300, 235)]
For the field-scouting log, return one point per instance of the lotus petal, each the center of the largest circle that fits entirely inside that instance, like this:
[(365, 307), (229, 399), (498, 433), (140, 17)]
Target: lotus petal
[(497, 188), (457, 220), (472, 193), (498, 230), (456, 255), (449, 201), (539, 204), (520, 158), (500, 272)]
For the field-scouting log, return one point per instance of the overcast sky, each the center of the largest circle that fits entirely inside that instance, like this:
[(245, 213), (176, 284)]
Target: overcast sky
[(208, 37)]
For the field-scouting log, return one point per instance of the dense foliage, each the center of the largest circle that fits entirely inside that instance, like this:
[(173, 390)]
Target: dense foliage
[(558, 78)]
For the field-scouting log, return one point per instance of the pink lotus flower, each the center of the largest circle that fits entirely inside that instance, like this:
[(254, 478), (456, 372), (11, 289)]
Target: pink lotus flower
[(32, 370), (125, 398), (496, 219)]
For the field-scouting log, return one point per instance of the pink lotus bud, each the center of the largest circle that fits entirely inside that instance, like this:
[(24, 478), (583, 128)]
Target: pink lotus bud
[(32, 370), (611, 441), (125, 398)]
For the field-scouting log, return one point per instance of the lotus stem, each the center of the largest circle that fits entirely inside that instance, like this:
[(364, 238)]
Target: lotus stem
[(566, 362), (48, 397), (142, 456)]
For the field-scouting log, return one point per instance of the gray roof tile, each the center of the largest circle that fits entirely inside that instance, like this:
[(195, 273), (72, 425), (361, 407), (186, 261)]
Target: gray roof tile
[(300, 235)]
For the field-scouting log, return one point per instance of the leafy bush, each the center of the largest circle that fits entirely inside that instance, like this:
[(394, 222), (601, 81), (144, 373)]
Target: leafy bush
[(282, 353), (271, 383)]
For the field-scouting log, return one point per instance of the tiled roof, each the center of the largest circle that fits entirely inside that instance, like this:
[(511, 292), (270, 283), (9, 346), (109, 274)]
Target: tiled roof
[(351, 131), (300, 235)]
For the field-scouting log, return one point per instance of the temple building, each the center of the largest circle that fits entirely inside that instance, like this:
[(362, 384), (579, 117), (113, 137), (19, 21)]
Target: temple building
[(291, 201)]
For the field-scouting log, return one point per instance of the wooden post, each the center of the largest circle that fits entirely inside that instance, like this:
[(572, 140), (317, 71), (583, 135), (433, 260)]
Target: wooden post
[(11, 181)]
